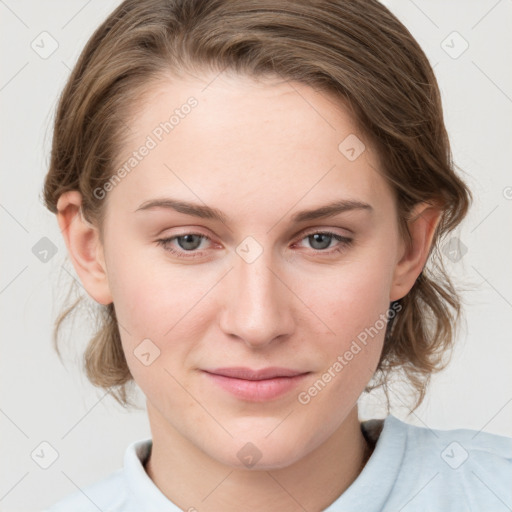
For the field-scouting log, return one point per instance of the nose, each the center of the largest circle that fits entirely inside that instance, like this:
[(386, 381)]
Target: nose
[(258, 306)]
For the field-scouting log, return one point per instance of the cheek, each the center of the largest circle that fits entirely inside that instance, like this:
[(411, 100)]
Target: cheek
[(142, 301), (137, 295), (352, 302), (349, 299), (161, 303), (355, 309), (149, 294)]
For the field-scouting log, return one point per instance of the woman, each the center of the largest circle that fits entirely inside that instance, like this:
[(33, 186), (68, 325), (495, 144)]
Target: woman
[(252, 191)]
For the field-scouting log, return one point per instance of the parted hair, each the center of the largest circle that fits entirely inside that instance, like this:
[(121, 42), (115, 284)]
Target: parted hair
[(356, 50)]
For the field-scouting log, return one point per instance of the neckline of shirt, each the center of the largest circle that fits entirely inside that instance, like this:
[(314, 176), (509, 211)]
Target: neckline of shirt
[(376, 478), (381, 471)]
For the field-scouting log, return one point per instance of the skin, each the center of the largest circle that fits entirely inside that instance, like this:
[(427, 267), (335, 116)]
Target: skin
[(259, 152)]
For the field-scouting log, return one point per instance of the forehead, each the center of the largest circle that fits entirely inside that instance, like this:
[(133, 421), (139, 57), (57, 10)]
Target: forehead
[(235, 142)]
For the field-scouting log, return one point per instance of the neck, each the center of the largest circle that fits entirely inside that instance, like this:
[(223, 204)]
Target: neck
[(191, 479)]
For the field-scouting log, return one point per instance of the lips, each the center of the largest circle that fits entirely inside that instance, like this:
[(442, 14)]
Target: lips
[(248, 374), (256, 385)]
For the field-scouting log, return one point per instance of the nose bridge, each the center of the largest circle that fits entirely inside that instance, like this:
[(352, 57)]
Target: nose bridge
[(258, 307)]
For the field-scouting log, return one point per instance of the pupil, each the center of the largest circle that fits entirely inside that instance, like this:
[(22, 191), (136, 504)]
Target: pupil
[(318, 238), (188, 240)]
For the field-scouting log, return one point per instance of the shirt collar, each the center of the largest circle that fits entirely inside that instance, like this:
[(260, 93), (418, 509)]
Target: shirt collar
[(376, 479), (145, 494), (370, 490)]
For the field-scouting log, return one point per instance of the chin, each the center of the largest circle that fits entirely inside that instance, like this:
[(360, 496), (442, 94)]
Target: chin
[(259, 453)]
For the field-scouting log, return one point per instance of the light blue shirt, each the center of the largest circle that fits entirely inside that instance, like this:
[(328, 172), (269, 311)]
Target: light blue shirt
[(411, 469)]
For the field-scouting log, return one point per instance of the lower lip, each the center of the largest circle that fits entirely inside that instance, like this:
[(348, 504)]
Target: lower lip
[(257, 390)]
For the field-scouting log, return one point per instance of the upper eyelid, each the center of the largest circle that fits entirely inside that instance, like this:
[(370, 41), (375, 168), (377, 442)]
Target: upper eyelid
[(308, 232), (304, 233)]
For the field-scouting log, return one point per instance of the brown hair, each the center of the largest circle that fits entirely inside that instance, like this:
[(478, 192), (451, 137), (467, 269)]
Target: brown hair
[(357, 50)]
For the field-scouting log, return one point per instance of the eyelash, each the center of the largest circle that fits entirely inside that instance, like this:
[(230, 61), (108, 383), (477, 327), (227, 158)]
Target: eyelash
[(345, 243)]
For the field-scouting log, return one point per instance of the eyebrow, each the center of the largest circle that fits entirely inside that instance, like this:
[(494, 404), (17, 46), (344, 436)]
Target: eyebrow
[(207, 212)]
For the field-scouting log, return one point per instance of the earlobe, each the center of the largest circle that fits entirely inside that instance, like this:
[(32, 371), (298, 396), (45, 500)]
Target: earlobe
[(422, 227), (84, 247)]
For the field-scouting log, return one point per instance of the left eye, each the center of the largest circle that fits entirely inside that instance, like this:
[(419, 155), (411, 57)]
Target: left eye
[(190, 242), (324, 239)]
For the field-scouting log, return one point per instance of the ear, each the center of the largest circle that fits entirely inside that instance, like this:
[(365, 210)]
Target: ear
[(84, 246), (422, 226)]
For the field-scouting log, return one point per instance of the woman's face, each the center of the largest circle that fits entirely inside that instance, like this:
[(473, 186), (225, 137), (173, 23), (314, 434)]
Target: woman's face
[(249, 284)]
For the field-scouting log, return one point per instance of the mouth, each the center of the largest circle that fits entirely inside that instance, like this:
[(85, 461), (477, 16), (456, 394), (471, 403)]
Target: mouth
[(256, 385)]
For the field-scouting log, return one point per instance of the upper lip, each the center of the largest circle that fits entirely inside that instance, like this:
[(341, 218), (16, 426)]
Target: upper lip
[(249, 374)]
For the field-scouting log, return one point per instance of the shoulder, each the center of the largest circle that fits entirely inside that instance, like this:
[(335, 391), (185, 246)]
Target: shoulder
[(440, 469), (121, 491), (454, 448), (107, 494)]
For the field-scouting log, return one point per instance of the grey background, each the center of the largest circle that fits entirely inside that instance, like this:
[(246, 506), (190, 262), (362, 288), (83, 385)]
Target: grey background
[(43, 401)]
